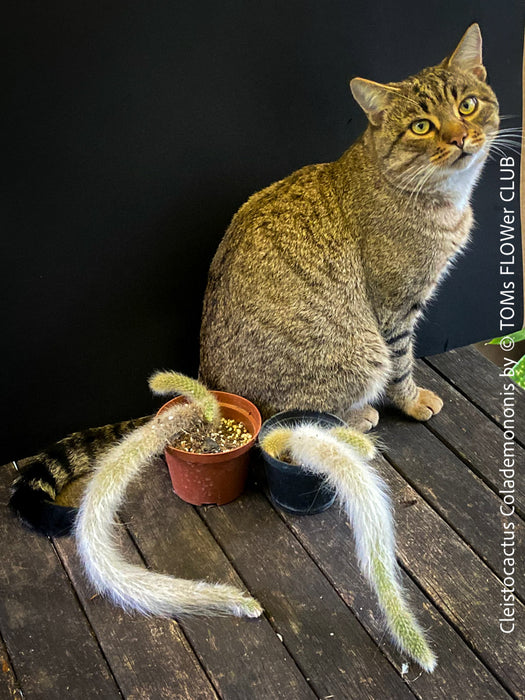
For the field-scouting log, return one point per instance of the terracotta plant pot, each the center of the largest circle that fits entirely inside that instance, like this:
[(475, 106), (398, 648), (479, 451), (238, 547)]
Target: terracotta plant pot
[(219, 477)]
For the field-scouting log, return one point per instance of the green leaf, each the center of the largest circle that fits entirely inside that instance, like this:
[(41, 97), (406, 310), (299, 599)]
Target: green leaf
[(519, 372), (517, 336)]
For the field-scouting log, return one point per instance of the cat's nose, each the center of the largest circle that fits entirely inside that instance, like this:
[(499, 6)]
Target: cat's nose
[(458, 139), (456, 135)]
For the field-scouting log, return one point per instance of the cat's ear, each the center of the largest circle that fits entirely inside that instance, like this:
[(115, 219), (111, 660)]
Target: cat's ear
[(373, 98), (467, 55)]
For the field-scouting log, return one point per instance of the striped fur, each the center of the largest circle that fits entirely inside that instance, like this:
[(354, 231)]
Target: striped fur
[(34, 491), (312, 301), (315, 291)]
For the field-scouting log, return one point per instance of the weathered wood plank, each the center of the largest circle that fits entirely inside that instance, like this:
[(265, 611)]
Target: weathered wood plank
[(476, 440), (149, 657), (52, 649), (459, 584), (244, 662), (331, 647), (244, 658), (455, 492), (328, 539), (9, 688), (479, 379)]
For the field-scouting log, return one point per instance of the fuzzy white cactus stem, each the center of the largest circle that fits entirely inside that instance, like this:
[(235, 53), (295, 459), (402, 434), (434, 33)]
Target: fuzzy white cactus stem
[(169, 382), (134, 587), (341, 457)]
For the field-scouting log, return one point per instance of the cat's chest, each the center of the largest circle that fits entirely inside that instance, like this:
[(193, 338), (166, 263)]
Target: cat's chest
[(404, 265)]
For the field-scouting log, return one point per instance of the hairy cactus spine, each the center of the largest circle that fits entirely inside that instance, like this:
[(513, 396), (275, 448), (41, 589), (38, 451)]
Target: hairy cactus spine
[(341, 458), (130, 586), (175, 383)]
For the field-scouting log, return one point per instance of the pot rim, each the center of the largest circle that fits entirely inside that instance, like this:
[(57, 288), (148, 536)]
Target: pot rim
[(242, 406), (289, 417)]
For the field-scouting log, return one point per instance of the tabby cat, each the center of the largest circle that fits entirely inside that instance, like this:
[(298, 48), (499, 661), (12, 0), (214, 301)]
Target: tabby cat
[(316, 288)]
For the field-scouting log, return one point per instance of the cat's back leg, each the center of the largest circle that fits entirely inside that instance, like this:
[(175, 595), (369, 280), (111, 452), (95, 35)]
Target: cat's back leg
[(341, 378), (372, 373)]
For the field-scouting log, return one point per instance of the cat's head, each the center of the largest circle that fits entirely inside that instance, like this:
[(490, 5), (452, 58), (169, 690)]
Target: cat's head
[(435, 124)]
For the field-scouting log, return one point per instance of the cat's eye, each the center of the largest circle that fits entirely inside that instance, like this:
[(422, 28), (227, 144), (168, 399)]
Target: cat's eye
[(421, 127), (468, 106)]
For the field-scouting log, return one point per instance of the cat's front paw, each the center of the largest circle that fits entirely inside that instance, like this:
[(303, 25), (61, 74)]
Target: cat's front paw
[(363, 419), (426, 405)]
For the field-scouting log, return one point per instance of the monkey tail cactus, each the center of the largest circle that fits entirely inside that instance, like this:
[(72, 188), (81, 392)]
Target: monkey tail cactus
[(364, 444), (341, 455), (275, 442), (175, 383), (128, 585)]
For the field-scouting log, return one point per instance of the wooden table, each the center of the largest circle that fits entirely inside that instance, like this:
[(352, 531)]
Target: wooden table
[(321, 635)]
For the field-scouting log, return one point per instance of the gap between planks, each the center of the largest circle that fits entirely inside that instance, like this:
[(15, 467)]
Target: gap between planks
[(490, 556), (422, 684), (57, 605), (10, 688), (470, 359), (128, 684), (482, 449)]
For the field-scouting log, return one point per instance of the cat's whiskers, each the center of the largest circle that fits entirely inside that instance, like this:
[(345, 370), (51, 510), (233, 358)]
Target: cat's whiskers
[(408, 176), (410, 187), (494, 147), (498, 144), (412, 182), (497, 140), (424, 180), (405, 181), (513, 136), (498, 147), (417, 184), (514, 129), (420, 185)]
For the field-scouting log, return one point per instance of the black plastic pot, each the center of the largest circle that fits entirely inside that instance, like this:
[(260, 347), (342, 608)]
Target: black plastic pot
[(292, 488)]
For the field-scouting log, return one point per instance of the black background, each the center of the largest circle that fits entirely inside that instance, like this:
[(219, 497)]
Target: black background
[(134, 131)]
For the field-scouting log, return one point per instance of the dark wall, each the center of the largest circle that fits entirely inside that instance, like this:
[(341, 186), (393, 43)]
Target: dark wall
[(135, 130)]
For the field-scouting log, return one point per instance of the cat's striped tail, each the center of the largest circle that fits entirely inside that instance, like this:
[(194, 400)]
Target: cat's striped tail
[(134, 587), (34, 491), (342, 459)]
